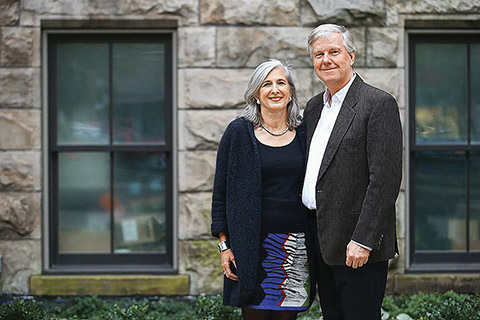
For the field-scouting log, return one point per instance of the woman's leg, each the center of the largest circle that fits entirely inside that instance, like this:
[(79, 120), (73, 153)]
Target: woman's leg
[(255, 314), (284, 315)]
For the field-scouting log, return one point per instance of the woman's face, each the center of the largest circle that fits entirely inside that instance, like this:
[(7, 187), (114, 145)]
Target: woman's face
[(274, 93)]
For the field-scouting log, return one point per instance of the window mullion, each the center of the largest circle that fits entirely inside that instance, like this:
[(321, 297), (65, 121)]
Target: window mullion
[(468, 153), (112, 158)]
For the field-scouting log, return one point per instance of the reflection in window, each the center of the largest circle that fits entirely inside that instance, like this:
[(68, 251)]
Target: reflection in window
[(82, 95), (440, 206), (138, 92), (139, 203), (440, 107), (83, 202), (474, 229)]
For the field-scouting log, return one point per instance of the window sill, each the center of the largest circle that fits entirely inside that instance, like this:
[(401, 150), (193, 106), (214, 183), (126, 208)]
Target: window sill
[(107, 285)]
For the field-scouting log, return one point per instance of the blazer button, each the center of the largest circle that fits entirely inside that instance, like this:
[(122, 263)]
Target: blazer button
[(319, 191)]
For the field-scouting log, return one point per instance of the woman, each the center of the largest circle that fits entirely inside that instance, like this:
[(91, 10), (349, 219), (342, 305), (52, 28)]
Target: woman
[(257, 212)]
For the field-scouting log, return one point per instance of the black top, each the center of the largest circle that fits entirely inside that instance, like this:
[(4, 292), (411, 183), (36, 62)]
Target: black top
[(282, 172)]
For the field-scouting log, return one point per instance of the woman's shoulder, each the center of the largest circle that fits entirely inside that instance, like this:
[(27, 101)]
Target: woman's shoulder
[(239, 125)]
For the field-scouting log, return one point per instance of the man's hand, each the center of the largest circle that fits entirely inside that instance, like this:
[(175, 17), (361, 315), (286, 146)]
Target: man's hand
[(356, 255)]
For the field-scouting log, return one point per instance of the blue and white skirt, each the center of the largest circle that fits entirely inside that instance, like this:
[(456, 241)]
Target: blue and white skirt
[(283, 281)]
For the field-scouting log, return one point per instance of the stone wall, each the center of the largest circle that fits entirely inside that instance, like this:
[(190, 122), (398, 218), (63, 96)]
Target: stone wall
[(219, 43)]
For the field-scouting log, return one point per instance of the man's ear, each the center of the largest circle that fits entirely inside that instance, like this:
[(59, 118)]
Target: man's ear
[(352, 58)]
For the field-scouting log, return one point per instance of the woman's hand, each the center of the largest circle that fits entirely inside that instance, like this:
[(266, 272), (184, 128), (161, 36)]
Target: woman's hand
[(228, 259)]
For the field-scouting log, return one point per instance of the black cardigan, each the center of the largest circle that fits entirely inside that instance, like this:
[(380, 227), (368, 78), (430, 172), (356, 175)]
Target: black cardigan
[(236, 207)]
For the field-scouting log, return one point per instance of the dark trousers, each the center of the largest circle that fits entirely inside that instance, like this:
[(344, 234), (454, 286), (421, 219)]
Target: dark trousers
[(351, 294)]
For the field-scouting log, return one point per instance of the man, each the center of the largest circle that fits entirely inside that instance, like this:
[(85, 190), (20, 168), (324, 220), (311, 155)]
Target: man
[(354, 141)]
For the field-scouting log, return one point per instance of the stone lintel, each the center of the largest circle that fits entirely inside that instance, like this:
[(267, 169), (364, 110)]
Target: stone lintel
[(436, 283), (442, 24), (108, 24), (104, 285)]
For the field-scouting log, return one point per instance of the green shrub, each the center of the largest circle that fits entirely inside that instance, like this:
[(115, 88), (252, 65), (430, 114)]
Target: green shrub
[(211, 308), (421, 306), (82, 307), (22, 310)]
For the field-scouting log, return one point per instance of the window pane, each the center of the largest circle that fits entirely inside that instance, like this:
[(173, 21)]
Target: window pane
[(440, 201), (84, 202), (140, 217), (138, 92), (475, 202), (475, 91), (82, 93), (440, 102)]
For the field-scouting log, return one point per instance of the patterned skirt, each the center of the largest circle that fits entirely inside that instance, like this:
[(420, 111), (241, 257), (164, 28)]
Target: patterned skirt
[(283, 281)]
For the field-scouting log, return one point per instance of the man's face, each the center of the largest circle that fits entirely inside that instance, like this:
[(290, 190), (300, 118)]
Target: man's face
[(331, 61)]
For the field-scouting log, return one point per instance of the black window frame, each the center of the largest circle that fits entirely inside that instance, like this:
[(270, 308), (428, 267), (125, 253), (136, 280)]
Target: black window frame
[(438, 261), (138, 263)]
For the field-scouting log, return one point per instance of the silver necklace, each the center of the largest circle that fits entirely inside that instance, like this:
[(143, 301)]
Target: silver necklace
[(275, 133)]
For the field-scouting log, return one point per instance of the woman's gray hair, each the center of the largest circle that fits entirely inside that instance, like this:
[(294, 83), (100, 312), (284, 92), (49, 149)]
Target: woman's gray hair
[(252, 111), (326, 30)]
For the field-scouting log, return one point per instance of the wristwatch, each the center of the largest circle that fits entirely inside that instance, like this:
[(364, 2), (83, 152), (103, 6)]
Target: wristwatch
[(222, 246)]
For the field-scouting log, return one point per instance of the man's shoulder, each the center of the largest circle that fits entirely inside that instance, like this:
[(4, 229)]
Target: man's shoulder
[(315, 101), (369, 91)]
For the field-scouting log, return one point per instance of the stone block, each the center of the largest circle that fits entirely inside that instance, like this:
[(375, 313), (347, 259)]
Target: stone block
[(401, 215), (196, 47), (20, 129), (360, 46), (186, 11), (203, 129), (248, 47), (383, 45), (212, 88), (9, 12), (437, 283), (201, 261), (19, 171), (20, 88), (194, 216), (394, 8), (304, 82), (353, 12), (196, 170), (308, 17), (385, 79), (20, 47), (19, 215), (249, 12), (20, 260)]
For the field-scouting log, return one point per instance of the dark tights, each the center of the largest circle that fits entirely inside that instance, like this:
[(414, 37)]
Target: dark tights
[(256, 314)]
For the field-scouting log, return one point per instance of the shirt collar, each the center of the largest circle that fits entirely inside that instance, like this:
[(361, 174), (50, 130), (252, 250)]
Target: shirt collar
[(341, 94)]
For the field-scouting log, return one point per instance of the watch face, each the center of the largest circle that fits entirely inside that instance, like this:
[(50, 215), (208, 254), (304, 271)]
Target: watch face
[(222, 246)]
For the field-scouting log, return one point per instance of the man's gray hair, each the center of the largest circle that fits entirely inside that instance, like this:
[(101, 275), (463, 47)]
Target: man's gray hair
[(252, 110), (326, 30)]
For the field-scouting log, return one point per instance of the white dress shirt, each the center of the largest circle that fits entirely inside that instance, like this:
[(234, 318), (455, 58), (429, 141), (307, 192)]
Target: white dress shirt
[(319, 142), (318, 145)]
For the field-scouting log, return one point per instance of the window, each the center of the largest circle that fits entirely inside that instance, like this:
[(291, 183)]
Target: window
[(110, 151), (444, 149)]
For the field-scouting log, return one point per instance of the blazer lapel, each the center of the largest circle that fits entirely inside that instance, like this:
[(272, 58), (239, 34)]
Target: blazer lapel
[(312, 119), (344, 119)]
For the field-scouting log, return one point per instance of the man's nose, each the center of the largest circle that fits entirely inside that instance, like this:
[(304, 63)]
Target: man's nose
[(326, 58)]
